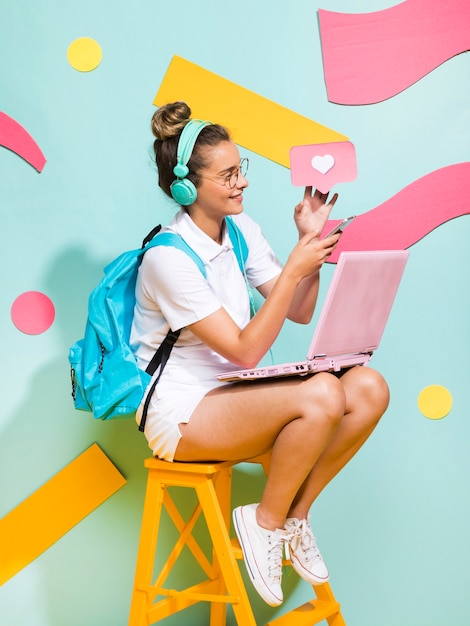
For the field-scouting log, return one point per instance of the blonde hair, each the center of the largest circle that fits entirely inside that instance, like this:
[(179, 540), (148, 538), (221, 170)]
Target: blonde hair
[(169, 120)]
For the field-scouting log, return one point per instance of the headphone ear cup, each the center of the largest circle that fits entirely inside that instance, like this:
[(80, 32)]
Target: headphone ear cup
[(184, 192)]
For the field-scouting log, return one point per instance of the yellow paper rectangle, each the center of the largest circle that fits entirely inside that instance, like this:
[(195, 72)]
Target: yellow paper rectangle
[(53, 509), (255, 122)]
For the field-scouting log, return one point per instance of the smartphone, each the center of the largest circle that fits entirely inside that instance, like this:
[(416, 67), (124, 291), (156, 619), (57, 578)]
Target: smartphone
[(341, 226)]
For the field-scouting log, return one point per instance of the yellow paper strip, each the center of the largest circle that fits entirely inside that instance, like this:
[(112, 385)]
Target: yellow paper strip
[(255, 122), (51, 511)]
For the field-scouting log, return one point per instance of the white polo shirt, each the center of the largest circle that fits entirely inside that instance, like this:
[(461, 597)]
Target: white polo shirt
[(171, 291)]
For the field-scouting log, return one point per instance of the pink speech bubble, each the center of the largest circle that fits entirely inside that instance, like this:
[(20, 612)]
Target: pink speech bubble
[(17, 139), (32, 312), (322, 165)]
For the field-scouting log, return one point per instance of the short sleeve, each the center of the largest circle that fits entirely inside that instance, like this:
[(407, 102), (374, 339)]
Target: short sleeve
[(171, 279)]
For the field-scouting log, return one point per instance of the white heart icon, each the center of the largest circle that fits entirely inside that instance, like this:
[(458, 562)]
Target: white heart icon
[(323, 164)]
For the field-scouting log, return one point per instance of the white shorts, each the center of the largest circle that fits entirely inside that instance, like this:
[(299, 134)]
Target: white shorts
[(171, 404)]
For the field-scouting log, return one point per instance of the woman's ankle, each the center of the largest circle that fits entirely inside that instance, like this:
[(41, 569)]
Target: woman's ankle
[(267, 521)]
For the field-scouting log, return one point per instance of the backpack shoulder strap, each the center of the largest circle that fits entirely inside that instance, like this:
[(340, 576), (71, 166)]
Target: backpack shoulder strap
[(175, 241), (240, 248), (239, 244), (237, 238)]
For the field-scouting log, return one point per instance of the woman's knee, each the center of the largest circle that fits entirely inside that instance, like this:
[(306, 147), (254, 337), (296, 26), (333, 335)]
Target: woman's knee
[(324, 394), (370, 387)]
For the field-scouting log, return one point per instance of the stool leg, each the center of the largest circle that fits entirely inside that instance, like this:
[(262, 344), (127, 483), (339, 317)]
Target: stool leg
[(325, 594), (146, 550), (216, 523), (223, 488)]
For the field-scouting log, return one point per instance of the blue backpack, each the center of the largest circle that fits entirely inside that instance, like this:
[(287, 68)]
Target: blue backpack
[(106, 380)]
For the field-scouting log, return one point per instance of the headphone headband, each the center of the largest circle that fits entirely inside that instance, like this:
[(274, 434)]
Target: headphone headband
[(186, 145)]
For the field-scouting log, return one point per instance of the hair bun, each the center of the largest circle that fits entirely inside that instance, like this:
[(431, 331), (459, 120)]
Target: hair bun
[(169, 120)]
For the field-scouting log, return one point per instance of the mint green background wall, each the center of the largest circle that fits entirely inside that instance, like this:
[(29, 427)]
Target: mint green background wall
[(394, 525)]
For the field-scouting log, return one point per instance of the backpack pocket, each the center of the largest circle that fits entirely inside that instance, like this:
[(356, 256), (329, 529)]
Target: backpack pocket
[(116, 389)]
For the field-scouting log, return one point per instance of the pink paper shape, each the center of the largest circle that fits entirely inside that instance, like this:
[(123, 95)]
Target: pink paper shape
[(323, 165), (32, 312), (369, 57), (14, 137), (409, 215)]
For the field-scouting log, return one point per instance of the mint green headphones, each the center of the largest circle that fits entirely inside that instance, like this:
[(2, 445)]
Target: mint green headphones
[(182, 189)]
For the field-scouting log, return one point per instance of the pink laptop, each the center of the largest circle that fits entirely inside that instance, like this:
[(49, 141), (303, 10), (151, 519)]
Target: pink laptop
[(352, 320)]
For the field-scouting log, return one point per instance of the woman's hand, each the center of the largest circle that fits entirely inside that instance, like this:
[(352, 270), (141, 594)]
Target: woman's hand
[(310, 253), (312, 212)]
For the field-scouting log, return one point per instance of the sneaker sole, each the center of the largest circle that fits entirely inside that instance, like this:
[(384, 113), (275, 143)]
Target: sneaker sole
[(250, 560)]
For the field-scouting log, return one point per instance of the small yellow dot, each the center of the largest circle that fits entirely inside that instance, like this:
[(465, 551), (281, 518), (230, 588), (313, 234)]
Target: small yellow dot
[(435, 402), (84, 54)]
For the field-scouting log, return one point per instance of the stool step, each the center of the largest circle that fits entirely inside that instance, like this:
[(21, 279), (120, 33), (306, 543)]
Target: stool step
[(203, 469), (310, 613)]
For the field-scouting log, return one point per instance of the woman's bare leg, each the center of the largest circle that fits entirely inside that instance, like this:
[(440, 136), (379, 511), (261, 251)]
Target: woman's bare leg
[(312, 428), (367, 398), (296, 418)]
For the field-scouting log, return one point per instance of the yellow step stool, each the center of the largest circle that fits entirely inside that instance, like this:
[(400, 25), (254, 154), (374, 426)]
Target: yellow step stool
[(153, 601)]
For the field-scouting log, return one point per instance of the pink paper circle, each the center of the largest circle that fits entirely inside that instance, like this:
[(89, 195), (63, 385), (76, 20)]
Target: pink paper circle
[(32, 312)]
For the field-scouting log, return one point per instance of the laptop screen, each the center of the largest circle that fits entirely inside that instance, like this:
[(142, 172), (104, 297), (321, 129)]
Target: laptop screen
[(358, 302)]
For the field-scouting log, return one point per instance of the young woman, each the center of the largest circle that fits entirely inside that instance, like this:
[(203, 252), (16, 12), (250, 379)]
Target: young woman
[(311, 425)]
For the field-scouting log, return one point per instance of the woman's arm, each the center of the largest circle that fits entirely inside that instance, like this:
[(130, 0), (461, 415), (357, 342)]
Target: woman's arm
[(292, 294), (310, 216), (305, 297), (245, 347), (304, 300)]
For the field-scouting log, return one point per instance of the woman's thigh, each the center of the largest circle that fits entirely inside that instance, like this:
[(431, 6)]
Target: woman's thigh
[(242, 420)]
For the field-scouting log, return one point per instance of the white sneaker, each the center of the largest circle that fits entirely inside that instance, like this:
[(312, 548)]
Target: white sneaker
[(263, 551), (303, 551)]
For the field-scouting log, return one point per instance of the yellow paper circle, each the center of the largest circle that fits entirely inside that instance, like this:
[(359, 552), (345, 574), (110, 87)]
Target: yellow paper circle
[(84, 54), (435, 402)]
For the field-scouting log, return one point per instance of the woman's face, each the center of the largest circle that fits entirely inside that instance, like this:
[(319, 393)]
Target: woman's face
[(214, 196)]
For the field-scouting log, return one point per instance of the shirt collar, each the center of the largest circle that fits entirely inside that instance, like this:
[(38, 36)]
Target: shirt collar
[(206, 248)]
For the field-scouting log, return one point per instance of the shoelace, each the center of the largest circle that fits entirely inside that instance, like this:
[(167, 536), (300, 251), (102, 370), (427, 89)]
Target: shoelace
[(301, 535), (275, 553)]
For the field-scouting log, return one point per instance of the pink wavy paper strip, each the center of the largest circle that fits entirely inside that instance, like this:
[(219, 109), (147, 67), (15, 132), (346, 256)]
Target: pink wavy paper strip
[(16, 138), (411, 214), (370, 57)]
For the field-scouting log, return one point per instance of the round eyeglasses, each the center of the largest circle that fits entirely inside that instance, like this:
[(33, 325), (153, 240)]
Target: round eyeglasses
[(231, 179)]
